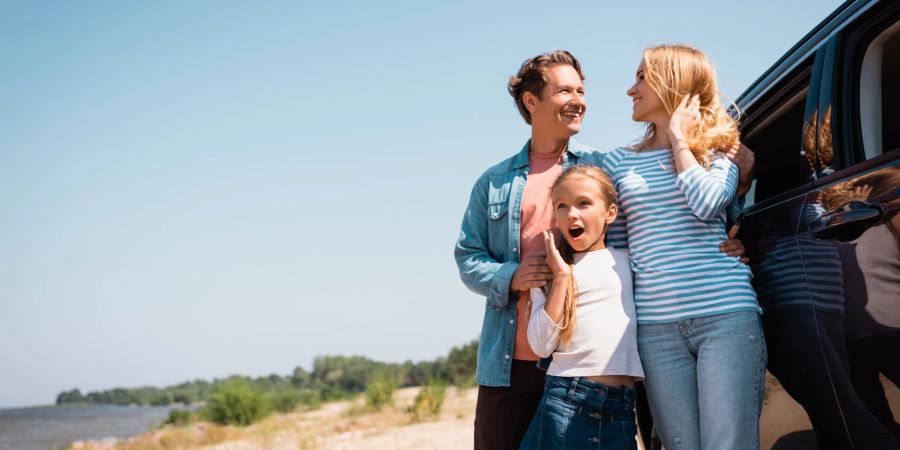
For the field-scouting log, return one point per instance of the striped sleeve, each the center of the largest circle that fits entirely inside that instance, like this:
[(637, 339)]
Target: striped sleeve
[(708, 193), (617, 234)]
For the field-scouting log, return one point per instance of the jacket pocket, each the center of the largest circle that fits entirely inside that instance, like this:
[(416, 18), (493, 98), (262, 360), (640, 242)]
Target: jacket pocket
[(496, 211)]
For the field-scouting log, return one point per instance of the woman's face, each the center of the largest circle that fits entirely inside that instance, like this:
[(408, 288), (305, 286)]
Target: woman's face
[(646, 105)]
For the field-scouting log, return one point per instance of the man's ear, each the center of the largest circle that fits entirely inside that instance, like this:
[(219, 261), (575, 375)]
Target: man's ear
[(612, 212), (530, 100)]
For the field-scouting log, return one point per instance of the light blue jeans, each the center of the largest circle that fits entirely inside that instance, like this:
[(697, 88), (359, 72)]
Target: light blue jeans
[(705, 380)]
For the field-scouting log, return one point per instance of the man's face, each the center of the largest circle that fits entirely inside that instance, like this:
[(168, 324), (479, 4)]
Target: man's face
[(558, 112)]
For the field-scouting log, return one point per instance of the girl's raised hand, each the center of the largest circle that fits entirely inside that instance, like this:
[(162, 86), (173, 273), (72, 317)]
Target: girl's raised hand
[(557, 265), (686, 116)]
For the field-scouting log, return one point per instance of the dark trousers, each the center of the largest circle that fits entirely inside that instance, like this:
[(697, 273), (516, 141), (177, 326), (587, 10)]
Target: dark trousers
[(502, 414)]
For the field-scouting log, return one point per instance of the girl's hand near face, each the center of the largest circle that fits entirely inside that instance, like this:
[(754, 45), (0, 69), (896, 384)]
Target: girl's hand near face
[(559, 267), (562, 276)]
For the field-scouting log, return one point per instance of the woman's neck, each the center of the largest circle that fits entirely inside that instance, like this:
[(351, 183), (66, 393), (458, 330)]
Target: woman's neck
[(660, 136)]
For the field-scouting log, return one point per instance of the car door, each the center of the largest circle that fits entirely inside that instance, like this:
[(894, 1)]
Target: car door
[(778, 128), (849, 236), (820, 226)]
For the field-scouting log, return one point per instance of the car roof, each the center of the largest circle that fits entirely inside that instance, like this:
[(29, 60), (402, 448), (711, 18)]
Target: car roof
[(837, 20)]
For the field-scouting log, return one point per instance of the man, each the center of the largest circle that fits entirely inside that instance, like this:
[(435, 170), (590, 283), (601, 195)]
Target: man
[(500, 251)]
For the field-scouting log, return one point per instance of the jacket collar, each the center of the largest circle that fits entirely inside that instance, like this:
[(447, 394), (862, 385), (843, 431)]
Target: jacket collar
[(574, 149)]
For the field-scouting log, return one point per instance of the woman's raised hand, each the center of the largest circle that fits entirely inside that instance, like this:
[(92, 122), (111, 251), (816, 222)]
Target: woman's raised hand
[(685, 118), (558, 266)]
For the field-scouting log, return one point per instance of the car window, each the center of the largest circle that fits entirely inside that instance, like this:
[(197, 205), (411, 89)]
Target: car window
[(775, 134), (879, 93)]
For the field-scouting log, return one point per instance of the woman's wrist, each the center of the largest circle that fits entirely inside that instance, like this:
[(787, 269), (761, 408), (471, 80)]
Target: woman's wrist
[(677, 141)]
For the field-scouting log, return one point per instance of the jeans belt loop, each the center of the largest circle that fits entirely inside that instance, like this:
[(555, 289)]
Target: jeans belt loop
[(572, 386)]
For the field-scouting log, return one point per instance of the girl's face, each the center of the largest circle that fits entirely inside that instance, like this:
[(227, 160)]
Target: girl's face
[(581, 214), (646, 105)]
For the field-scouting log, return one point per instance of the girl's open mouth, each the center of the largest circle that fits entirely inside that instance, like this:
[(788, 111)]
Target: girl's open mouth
[(576, 231)]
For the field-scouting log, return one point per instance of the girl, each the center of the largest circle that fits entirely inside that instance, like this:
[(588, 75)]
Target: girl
[(587, 322), (699, 333)]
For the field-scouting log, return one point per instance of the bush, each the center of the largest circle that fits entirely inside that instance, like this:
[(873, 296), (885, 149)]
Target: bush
[(178, 417), (461, 364), (380, 391), (429, 401), (236, 402), (285, 400), (310, 398)]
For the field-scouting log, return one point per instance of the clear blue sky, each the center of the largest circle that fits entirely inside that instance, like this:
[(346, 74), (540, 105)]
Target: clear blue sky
[(198, 189)]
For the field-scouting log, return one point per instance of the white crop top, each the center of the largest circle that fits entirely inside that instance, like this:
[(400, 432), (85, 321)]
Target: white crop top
[(604, 341)]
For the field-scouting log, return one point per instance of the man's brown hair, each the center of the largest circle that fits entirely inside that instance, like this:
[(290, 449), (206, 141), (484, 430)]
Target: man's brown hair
[(532, 77)]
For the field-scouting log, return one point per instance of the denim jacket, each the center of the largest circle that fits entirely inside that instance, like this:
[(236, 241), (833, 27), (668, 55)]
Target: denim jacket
[(487, 253)]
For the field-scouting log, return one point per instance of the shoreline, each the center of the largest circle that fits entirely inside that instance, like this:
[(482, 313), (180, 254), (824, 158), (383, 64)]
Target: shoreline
[(343, 424), (43, 427)]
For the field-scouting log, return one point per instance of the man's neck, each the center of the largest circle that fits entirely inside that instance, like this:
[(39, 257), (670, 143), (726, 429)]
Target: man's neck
[(546, 145)]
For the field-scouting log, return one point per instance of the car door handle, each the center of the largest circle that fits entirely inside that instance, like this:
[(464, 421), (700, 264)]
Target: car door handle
[(846, 222)]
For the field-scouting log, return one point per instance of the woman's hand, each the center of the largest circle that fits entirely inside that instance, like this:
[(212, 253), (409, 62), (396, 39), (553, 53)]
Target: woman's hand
[(685, 118), (861, 192), (561, 270)]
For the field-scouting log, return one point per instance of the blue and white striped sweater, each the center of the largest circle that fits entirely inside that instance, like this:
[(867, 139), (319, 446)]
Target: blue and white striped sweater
[(672, 225)]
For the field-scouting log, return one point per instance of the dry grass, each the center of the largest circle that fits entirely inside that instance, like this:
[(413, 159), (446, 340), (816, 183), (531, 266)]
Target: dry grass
[(340, 425)]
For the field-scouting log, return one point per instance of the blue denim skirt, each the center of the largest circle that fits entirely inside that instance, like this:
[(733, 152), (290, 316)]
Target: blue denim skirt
[(578, 413)]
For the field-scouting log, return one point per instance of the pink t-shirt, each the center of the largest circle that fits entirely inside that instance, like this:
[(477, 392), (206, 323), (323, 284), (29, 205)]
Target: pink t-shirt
[(537, 216)]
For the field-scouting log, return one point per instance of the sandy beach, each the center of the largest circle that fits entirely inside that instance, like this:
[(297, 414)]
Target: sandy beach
[(340, 425), (346, 425)]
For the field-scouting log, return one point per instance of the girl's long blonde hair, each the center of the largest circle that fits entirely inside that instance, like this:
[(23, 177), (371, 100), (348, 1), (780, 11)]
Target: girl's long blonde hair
[(676, 70), (608, 193)]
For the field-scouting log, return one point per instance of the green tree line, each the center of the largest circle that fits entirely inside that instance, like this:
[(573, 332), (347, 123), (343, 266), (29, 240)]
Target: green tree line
[(331, 378)]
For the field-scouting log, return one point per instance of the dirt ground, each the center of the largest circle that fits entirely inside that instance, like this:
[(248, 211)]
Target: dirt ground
[(343, 425), (335, 427), (348, 425)]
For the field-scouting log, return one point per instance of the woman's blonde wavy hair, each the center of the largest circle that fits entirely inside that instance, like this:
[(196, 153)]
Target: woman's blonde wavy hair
[(676, 70)]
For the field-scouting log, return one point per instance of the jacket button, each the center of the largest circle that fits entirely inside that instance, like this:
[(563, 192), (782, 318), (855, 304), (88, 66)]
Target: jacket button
[(511, 321), (515, 249), (507, 356)]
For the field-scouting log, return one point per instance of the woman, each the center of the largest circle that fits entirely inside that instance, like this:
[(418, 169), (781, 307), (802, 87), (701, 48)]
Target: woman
[(699, 333)]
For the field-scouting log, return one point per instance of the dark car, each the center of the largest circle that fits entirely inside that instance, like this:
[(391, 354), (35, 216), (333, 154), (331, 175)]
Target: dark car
[(821, 227)]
